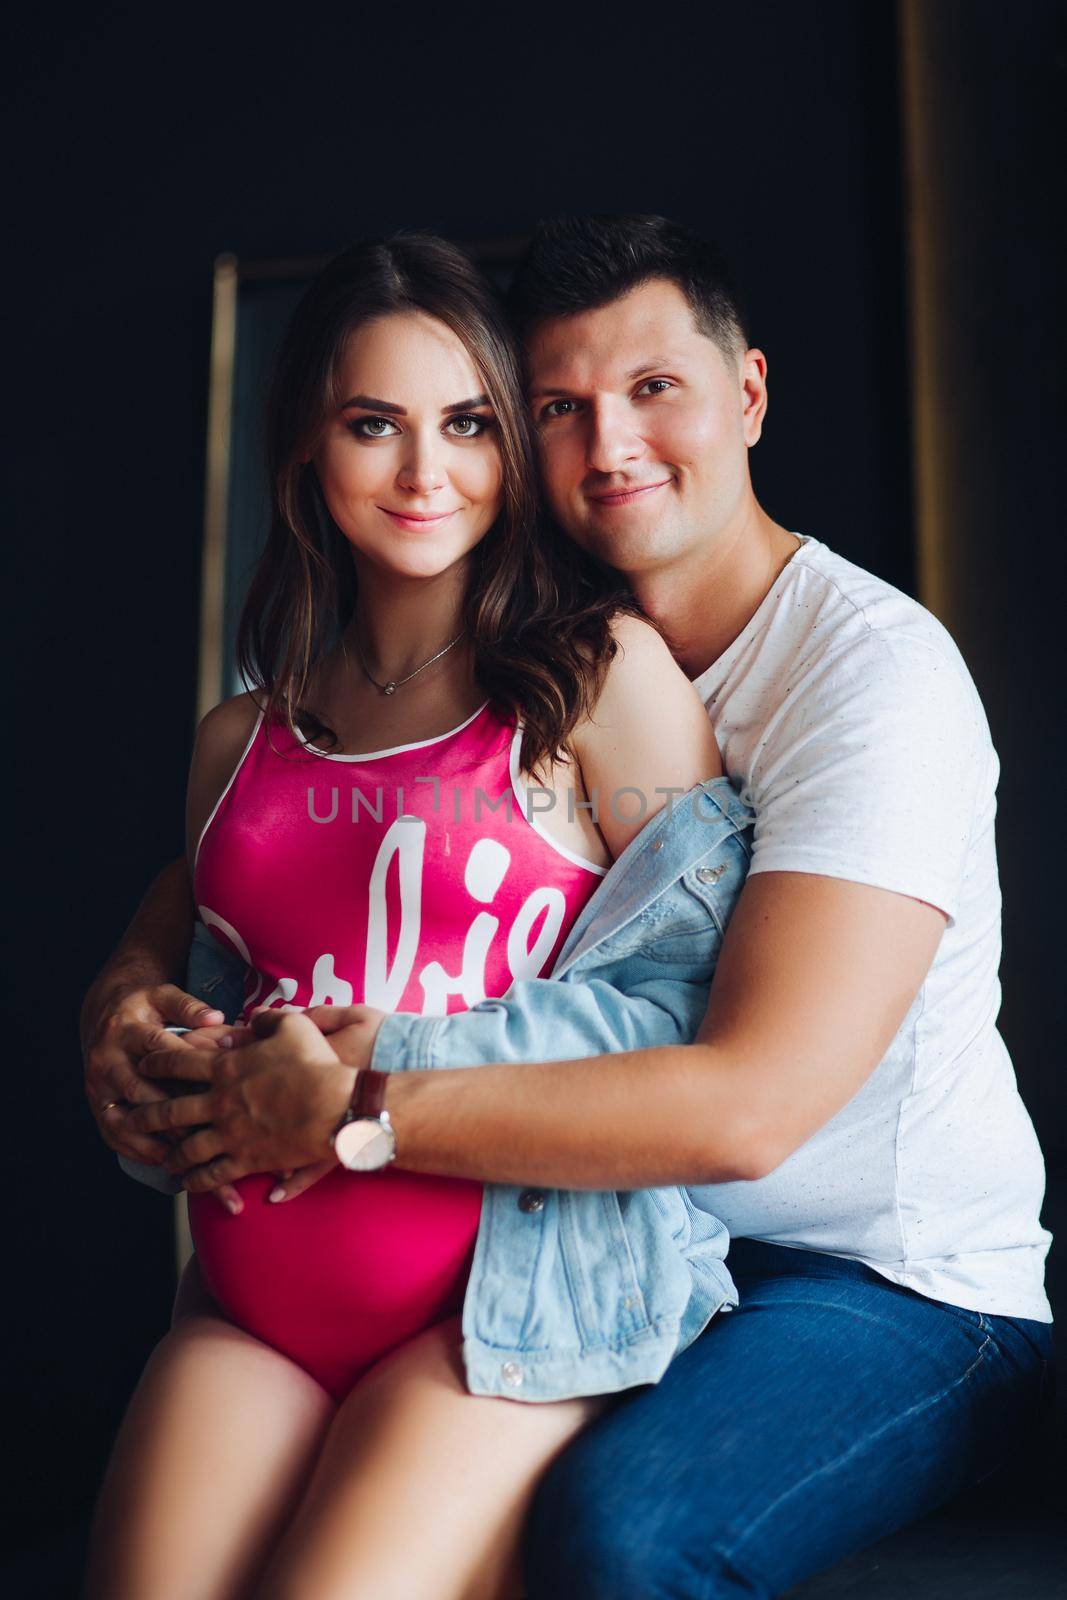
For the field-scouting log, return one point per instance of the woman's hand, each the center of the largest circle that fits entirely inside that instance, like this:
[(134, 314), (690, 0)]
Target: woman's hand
[(273, 1103), (351, 1031)]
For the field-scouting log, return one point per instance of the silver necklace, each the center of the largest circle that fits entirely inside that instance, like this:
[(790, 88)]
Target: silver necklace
[(395, 683)]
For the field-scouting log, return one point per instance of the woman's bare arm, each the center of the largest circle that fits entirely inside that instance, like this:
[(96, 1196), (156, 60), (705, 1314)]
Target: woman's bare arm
[(220, 742)]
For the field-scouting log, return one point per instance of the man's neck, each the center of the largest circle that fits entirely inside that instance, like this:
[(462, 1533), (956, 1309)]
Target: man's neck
[(703, 603)]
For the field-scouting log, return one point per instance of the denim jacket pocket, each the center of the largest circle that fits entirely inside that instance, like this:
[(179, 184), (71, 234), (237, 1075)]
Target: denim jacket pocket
[(602, 1274), (695, 914)]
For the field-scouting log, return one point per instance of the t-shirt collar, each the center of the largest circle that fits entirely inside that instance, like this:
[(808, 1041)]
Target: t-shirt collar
[(711, 679)]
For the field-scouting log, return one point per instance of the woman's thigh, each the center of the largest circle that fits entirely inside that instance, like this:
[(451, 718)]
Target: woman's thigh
[(214, 1452), (421, 1488), (824, 1413)]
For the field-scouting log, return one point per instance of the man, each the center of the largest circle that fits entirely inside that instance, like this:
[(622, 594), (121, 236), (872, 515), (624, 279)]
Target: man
[(893, 1327)]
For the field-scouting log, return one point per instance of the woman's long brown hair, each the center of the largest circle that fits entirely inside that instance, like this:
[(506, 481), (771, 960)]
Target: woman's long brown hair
[(537, 610)]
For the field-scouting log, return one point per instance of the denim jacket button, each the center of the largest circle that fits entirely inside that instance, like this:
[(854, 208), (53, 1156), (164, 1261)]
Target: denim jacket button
[(657, 844), (531, 1200), (511, 1373), (710, 874)]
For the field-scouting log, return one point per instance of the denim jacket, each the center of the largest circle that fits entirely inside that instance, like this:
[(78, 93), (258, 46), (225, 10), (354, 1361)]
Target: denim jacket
[(576, 1292)]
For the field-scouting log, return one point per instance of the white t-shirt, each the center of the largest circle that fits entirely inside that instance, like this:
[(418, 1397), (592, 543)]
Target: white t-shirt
[(847, 716)]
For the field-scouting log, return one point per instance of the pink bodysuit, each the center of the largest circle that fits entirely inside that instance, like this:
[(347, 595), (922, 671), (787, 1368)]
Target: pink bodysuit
[(408, 880)]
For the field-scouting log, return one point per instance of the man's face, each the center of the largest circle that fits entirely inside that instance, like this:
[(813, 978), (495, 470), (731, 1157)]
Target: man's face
[(644, 428)]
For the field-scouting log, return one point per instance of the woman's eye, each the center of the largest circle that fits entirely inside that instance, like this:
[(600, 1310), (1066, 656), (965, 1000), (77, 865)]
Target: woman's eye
[(371, 427), (470, 426), (652, 383)]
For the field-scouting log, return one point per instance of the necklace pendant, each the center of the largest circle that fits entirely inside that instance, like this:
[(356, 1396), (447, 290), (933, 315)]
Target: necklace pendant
[(389, 688)]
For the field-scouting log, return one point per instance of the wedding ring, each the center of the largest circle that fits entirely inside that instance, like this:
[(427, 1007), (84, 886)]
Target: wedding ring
[(108, 1105)]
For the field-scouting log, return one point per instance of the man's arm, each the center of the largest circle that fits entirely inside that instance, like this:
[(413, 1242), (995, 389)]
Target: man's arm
[(815, 977), (155, 946)]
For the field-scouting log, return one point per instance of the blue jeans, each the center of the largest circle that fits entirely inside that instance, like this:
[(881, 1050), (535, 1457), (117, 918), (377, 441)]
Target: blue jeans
[(828, 1410)]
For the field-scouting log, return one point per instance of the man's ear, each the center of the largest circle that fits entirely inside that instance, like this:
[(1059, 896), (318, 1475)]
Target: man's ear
[(753, 394)]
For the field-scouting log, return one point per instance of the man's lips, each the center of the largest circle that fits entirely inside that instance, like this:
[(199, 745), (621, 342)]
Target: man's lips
[(626, 497), (416, 521)]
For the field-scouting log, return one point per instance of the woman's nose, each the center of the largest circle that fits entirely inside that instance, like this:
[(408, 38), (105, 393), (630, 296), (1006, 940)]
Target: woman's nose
[(421, 471)]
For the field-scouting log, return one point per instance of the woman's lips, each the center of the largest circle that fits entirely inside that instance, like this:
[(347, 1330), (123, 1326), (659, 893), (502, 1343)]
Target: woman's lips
[(627, 497), (416, 524)]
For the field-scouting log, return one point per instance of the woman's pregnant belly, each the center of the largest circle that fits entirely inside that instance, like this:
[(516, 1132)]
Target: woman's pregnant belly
[(344, 1273)]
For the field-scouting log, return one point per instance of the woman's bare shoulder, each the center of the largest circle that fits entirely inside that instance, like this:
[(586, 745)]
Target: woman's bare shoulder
[(643, 680), (220, 741), (649, 732), (224, 731), (641, 646)]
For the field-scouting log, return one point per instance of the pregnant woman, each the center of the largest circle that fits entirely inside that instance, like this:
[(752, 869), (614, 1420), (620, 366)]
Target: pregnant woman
[(398, 816)]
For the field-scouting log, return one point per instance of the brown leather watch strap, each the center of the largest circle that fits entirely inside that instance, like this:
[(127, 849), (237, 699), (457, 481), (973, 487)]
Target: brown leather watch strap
[(368, 1095)]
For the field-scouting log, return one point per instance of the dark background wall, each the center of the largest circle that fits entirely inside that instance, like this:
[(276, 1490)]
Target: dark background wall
[(144, 144)]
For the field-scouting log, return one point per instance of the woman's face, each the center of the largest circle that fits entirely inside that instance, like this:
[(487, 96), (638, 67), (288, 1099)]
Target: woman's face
[(409, 463)]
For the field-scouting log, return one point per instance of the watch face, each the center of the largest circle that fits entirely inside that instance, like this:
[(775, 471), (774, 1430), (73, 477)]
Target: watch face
[(364, 1145)]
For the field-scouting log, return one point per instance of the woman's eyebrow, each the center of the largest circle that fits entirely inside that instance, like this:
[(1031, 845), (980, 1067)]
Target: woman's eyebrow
[(467, 405), (370, 402)]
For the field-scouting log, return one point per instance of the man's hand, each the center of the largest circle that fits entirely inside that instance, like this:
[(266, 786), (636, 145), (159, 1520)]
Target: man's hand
[(118, 1028), (127, 1007), (274, 1102)]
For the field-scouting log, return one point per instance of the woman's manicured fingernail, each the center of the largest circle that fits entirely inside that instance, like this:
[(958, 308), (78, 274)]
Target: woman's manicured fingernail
[(233, 1205), (226, 1042), (277, 1193)]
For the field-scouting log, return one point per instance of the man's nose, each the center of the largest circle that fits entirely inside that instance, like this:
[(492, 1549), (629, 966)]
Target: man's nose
[(422, 469), (613, 438)]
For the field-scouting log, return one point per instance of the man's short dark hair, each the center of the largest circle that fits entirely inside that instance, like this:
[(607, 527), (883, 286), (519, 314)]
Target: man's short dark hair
[(576, 264)]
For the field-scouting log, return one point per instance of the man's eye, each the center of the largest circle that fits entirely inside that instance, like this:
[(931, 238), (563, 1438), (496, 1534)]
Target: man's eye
[(652, 382), (470, 426), (550, 412), (371, 427)]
